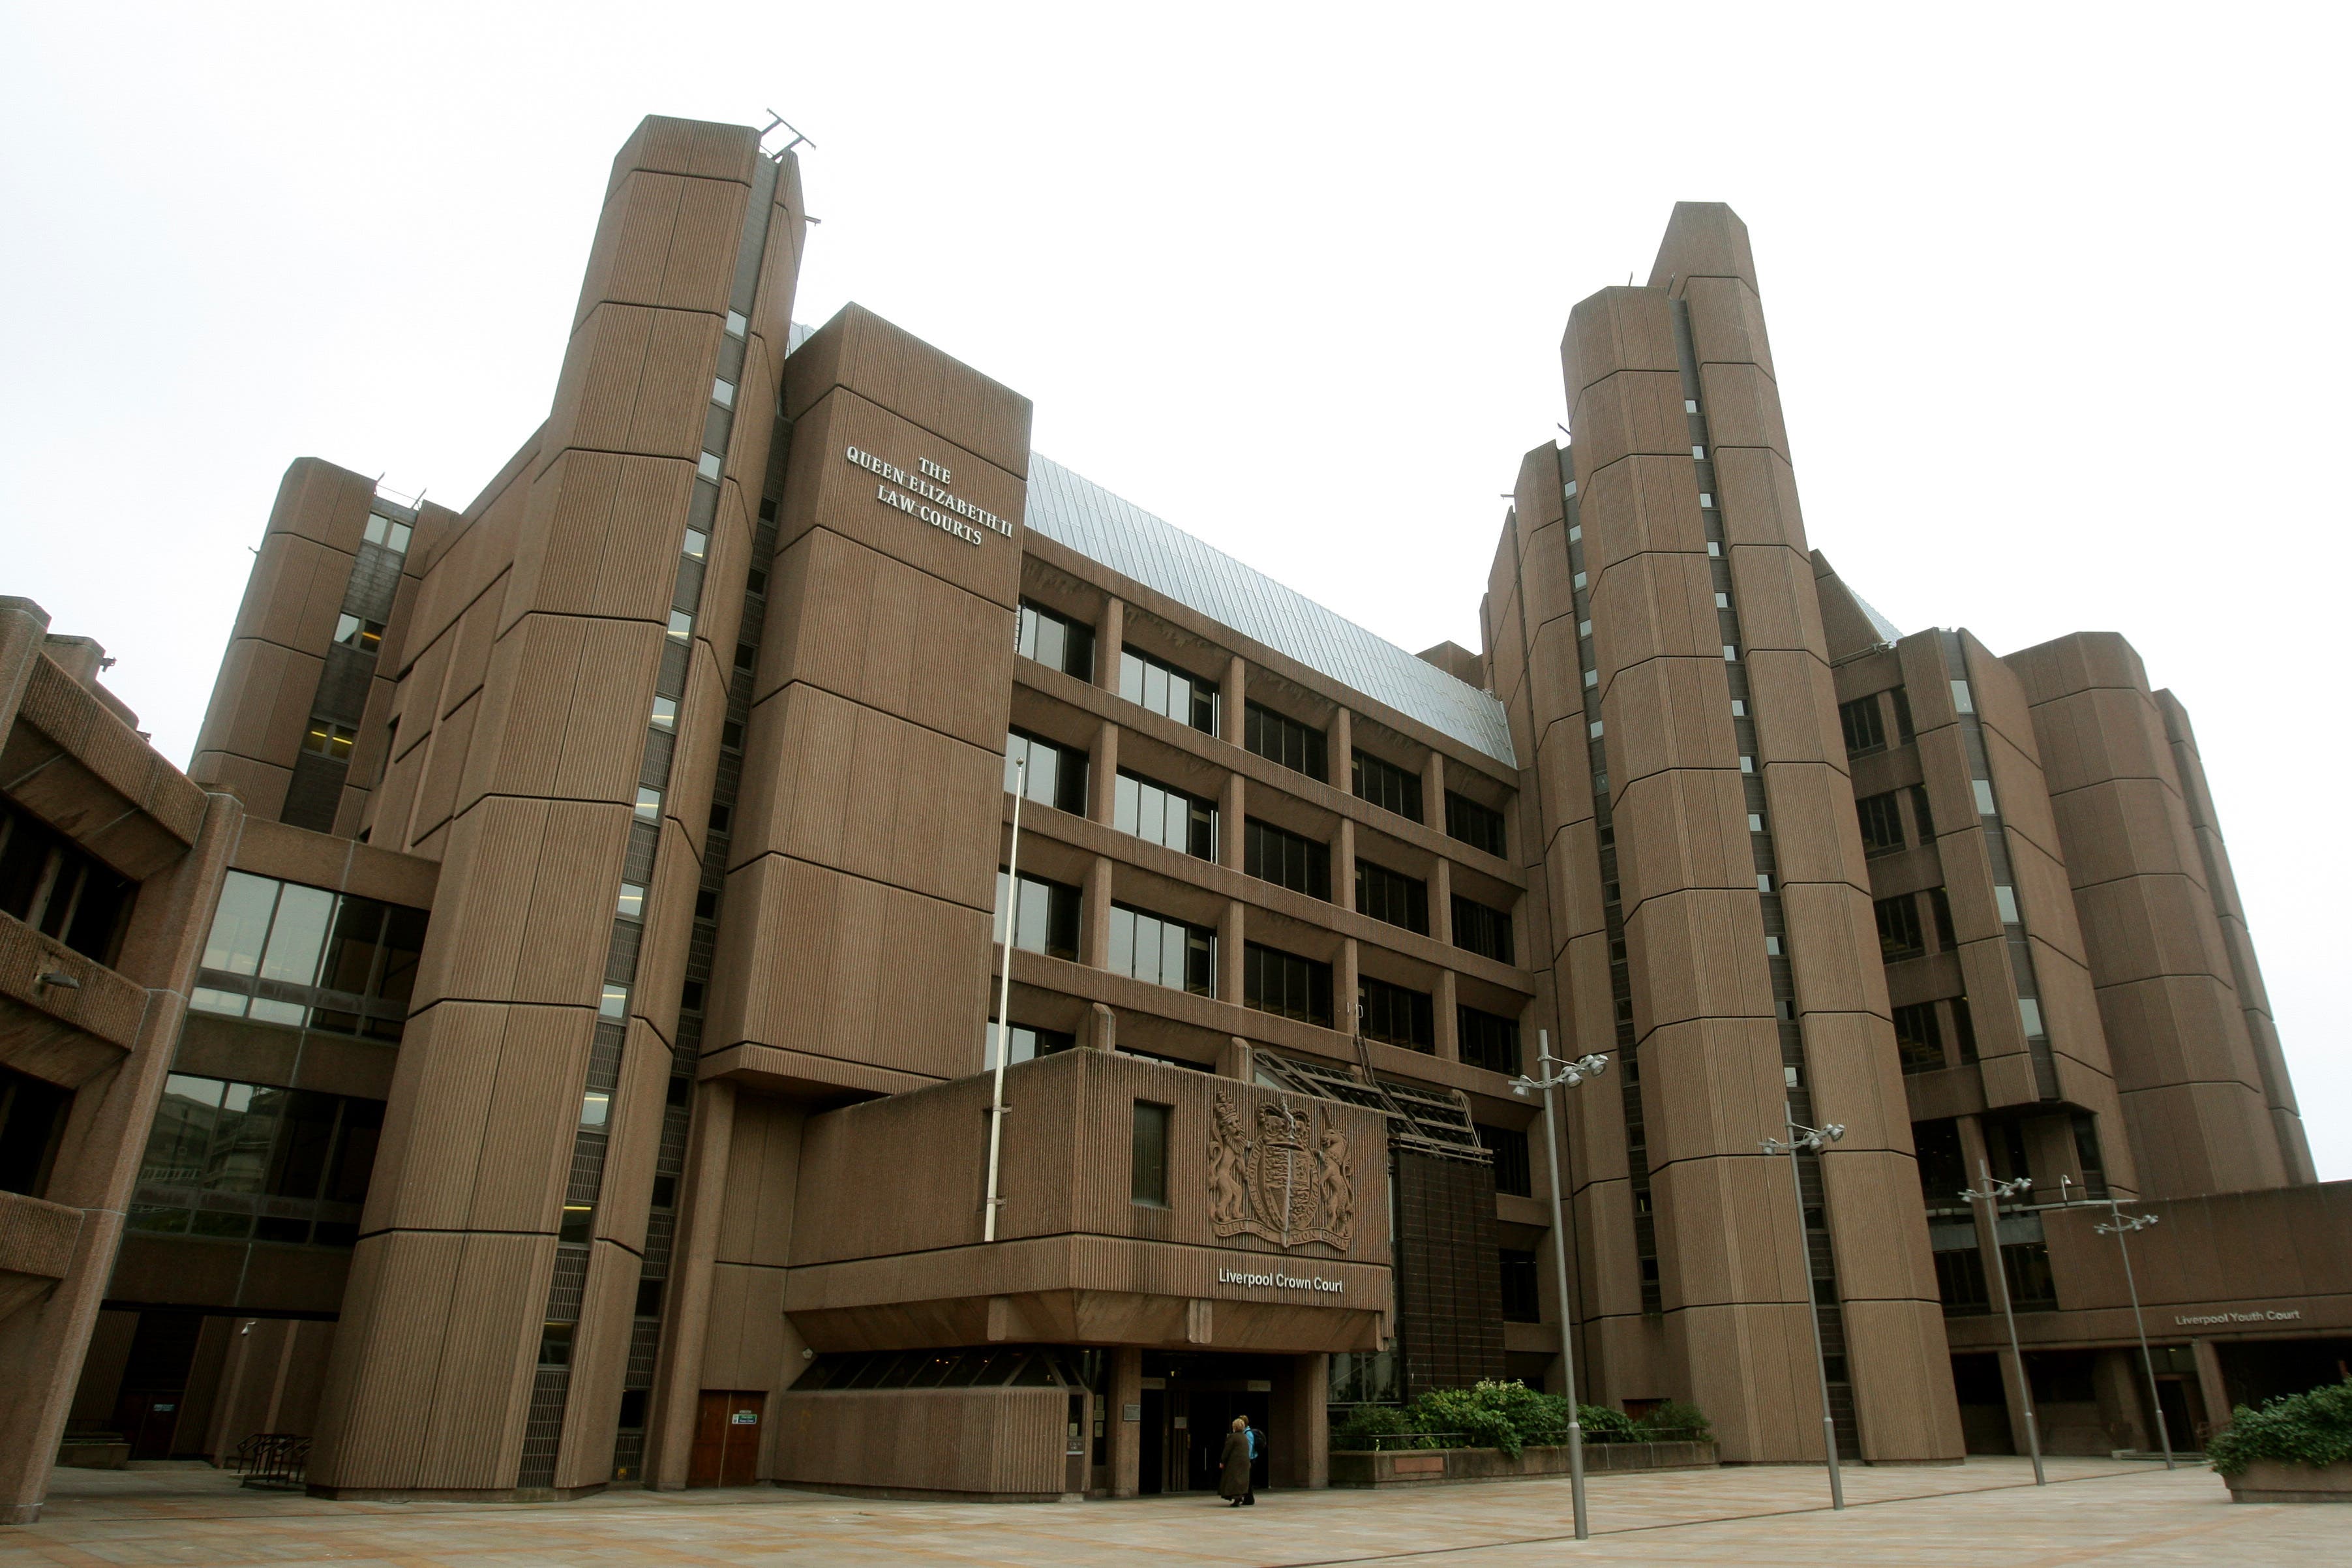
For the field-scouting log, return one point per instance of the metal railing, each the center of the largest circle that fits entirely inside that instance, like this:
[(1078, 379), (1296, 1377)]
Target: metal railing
[(1394, 1442), (273, 1461)]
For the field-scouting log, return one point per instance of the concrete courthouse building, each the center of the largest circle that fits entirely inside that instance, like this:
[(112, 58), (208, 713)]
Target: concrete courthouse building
[(540, 1043)]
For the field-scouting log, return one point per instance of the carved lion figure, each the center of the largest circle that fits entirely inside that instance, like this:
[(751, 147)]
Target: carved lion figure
[(1228, 1155)]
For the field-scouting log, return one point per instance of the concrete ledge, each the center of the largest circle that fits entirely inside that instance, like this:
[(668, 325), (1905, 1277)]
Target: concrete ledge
[(2270, 1480), (1436, 1466)]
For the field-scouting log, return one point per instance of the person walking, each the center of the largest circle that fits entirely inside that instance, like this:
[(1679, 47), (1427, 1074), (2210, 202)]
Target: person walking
[(1233, 1477), (1256, 1448)]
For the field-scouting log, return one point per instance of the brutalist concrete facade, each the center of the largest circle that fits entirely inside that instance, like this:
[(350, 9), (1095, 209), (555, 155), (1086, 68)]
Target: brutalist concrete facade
[(590, 1003)]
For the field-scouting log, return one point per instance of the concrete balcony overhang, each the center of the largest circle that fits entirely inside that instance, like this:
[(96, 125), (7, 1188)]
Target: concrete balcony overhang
[(64, 1019), (37, 1242), (887, 1251)]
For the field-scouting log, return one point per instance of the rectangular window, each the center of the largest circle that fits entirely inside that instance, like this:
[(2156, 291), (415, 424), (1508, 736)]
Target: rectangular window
[(1056, 641), (1048, 921), (1521, 1303), (1386, 785), (390, 532), (1479, 827), (353, 960), (1509, 1145), (1395, 1015), (1488, 1040), (53, 885), (1917, 1039), (1964, 1030), (1939, 903), (1283, 983), (1166, 690), (1148, 1179), (254, 1161), (1056, 775), (1922, 818), (1960, 1276), (1985, 804), (1289, 859), (366, 635), (331, 740), (1902, 730), (1284, 741), (1159, 815), (1162, 951), (1881, 824), (1961, 701), (1482, 930), (1898, 929), (1028, 1043), (2029, 1013), (1392, 896), (1865, 731)]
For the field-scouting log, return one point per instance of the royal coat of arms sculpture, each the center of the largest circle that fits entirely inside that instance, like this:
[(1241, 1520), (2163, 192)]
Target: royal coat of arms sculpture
[(1286, 1185)]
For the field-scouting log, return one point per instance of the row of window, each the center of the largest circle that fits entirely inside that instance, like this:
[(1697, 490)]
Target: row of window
[(1183, 957), (1900, 934), (57, 888), (1153, 683), (1863, 720), (285, 953), (1881, 817), (251, 1162)]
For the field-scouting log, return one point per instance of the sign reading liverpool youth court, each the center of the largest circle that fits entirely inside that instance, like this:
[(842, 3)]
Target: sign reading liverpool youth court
[(948, 513)]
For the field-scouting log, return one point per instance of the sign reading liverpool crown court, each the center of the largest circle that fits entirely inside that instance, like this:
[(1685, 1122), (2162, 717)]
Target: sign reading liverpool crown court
[(950, 515)]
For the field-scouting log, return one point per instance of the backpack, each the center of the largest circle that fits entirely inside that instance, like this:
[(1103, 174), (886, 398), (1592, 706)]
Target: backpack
[(1251, 1432)]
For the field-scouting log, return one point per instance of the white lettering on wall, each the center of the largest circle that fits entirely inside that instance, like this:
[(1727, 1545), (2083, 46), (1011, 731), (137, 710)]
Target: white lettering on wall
[(2209, 1319), (952, 514), (1278, 1281)]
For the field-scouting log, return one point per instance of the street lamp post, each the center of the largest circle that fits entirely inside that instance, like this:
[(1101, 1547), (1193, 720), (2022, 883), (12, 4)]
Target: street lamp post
[(1570, 1075), (1004, 1000), (2120, 1228), (1991, 1195), (1813, 1140)]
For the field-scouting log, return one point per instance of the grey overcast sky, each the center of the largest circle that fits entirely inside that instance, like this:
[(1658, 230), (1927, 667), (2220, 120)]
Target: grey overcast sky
[(2055, 293)]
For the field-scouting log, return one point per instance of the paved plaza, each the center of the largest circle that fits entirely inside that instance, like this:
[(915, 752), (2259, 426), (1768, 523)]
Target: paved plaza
[(1987, 1511)]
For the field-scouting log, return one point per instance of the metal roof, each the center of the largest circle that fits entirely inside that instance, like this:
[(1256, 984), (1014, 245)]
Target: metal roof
[(1887, 630), (1075, 511)]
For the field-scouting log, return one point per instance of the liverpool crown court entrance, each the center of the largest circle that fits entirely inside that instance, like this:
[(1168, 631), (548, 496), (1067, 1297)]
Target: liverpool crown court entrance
[(545, 1038)]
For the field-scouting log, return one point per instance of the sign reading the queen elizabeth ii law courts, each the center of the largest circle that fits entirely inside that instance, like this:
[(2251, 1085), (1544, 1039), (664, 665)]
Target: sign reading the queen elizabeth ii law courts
[(930, 502)]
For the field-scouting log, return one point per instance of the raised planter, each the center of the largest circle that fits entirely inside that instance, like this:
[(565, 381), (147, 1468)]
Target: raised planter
[(1436, 1466), (2264, 1480), (89, 1454)]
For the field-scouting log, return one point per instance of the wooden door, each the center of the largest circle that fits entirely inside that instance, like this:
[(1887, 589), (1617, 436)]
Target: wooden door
[(727, 1438)]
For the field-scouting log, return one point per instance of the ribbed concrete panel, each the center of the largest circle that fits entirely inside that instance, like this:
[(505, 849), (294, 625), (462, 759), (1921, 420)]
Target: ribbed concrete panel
[(1102, 527), (993, 1442)]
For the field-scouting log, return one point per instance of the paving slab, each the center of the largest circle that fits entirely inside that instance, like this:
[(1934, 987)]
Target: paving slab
[(2095, 1511)]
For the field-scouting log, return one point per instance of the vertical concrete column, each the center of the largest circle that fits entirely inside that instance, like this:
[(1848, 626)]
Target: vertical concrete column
[(2188, 1077), (1440, 900), (1232, 932), (2212, 1387), (1231, 814), (1230, 706), (1432, 790), (1340, 742), (1344, 982), (1343, 864), (1304, 1430), (1449, 1026), (1126, 1428), (1111, 636), (678, 1376), (1094, 947), (1102, 771)]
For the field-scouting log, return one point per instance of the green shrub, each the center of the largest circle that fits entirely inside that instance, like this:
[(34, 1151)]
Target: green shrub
[(1600, 1422), (1674, 1422), (2314, 1428), (1361, 1424)]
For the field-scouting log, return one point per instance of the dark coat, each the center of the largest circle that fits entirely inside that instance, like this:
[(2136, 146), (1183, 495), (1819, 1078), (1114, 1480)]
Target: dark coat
[(1234, 1479)]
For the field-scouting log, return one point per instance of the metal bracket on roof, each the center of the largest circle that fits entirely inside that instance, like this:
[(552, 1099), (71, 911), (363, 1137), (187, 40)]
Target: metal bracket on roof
[(1423, 1120)]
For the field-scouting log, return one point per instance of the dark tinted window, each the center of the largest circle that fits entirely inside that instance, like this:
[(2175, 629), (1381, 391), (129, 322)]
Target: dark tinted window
[(1386, 785), (1054, 639), (1482, 930), (1488, 1040), (1898, 929), (32, 1122), (1048, 916), (1510, 1147), (1056, 774), (1923, 820), (1392, 896), (1480, 827), (252, 1162), (1160, 813), (1865, 726), (1521, 1303), (1279, 738), (1164, 688), (1162, 951), (1028, 1043), (56, 887), (1881, 824), (1274, 981), (1396, 1016), (283, 953), (1917, 1038), (1276, 855), (1148, 1180)]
